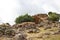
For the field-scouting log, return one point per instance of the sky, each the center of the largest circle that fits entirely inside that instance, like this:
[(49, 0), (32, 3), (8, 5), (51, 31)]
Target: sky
[(10, 9)]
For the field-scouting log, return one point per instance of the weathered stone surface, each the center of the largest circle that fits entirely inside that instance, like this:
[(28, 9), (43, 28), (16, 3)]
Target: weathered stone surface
[(46, 36), (20, 37), (33, 31), (47, 27), (40, 17), (47, 33), (5, 25), (26, 25)]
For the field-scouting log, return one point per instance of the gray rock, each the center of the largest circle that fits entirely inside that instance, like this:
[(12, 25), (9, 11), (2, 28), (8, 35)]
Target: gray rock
[(47, 33), (20, 37), (33, 31), (47, 27), (46, 36), (56, 32)]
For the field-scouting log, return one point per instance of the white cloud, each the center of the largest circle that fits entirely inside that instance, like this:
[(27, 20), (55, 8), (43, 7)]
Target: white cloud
[(48, 8), (36, 6), (8, 10)]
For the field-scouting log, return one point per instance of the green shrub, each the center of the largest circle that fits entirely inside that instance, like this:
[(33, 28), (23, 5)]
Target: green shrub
[(24, 18), (53, 16)]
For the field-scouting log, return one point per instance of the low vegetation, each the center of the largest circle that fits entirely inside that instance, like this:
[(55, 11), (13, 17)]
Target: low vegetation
[(24, 18), (53, 16)]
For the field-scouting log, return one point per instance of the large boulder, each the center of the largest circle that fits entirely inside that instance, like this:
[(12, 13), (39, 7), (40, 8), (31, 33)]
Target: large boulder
[(40, 17), (20, 37)]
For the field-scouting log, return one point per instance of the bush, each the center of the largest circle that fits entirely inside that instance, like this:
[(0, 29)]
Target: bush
[(53, 16), (24, 18)]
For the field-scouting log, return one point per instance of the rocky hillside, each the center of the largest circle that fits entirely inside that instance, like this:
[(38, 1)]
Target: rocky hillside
[(41, 29)]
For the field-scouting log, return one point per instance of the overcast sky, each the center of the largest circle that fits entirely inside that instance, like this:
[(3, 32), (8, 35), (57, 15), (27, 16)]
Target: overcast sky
[(10, 9)]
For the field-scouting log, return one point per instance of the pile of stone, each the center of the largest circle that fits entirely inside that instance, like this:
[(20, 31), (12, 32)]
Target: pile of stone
[(5, 25), (6, 30), (26, 25)]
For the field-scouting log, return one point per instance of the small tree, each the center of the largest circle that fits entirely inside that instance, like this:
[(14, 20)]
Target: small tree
[(24, 18), (53, 16)]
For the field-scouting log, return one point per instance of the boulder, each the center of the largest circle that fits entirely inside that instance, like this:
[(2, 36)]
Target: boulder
[(46, 36), (47, 33), (20, 37), (33, 31), (40, 17), (47, 26)]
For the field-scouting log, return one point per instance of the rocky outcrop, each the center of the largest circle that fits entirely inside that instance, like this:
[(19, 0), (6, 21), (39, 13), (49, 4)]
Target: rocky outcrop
[(40, 17), (29, 27), (40, 29), (26, 25), (5, 25)]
